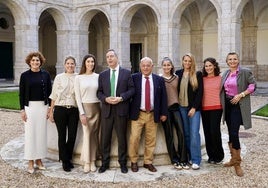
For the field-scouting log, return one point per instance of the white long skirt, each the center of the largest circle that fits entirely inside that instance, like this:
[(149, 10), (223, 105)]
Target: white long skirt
[(35, 131)]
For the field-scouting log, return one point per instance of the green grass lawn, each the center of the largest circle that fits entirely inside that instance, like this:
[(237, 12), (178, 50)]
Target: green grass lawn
[(9, 100), (262, 111)]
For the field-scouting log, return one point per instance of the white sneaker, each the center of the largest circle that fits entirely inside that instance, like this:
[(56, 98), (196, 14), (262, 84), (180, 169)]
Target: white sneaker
[(185, 166), (177, 166), (93, 166), (218, 162), (195, 166), (86, 168)]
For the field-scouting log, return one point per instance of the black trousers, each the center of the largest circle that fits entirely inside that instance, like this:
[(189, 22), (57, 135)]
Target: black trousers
[(233, 120), (211, 120), (174, 121), (66, 120), (119, 123)]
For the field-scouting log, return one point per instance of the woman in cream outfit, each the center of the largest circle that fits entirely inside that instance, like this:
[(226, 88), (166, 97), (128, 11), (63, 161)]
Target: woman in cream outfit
[(86, 85), (65, 112)]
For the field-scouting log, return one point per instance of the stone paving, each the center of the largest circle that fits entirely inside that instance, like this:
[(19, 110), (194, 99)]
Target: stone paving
[(13, 152)]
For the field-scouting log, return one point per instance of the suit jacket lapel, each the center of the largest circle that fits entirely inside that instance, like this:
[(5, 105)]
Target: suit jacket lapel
[(139, 86), (119, 78), (238, 76), (107, 77), (224, 77), (154, 81)]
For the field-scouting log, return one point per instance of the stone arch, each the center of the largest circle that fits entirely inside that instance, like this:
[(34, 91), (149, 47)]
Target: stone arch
[(196, 33), (194, 36), (94, 27), (249, 36), (16, 14), (7, 41), (262, 38), (47, 41), (261, 14), (61, 20), (54, 37), (18, 11), (176, 20), (139, 29), (85, 17), (188, 28), (129, 11), (179, 6), (210, 34), (238, 7)]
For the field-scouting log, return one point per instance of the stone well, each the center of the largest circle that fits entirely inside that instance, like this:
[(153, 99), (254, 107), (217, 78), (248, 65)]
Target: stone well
[(160, 158)]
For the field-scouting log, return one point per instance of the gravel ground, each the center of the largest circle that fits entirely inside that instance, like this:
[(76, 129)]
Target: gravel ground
[(254, 164)]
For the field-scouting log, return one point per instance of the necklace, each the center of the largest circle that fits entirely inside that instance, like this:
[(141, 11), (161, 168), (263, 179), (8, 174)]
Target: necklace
[(167, 77)]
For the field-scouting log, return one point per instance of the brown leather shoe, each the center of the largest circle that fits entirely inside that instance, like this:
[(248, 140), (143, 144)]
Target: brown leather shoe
[(150, 167), (134, 167)]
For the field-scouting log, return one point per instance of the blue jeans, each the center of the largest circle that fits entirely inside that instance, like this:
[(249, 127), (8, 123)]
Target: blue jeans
[(191, 127)]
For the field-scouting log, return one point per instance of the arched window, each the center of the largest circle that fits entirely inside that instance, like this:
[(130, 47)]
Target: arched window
[(4, 23)]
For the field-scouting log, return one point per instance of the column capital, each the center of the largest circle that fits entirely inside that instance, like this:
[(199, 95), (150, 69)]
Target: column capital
[(26, 27)]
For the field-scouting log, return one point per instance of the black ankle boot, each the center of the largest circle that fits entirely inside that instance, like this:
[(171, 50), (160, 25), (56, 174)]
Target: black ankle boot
[(70, 164), (66, 167)]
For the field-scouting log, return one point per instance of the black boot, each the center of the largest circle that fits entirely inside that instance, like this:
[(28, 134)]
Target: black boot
[(70, 164), (66, 166)]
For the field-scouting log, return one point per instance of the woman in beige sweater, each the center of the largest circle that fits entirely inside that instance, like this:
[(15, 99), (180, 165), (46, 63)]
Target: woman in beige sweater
[(177, 156), (86, 85)]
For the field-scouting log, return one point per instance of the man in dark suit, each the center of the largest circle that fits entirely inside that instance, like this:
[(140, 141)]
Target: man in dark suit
[(115, 90), (147, 110)]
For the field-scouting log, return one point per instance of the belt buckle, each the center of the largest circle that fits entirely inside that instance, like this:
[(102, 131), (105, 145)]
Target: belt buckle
[(147, 112), (68, 106)]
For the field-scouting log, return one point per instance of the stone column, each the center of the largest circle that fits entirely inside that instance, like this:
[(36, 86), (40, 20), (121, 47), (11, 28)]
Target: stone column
[(78, 44), (228, 32), (67, 43), (197, 47), (120, 37), (101, 51), (163, 44), (114, 30), (82, 46), (175, 44), (63, 49), (152, 46), (125, 47), (249, 46), (26, 40)]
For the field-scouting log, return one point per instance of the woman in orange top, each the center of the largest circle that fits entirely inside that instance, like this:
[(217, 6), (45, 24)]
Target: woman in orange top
[(212, 110)]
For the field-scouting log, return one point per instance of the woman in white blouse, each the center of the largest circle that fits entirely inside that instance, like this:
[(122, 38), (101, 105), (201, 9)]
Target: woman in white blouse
[(65, 112), (86, 85)]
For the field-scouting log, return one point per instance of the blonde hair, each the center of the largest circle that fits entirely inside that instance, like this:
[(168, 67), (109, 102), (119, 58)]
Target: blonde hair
[(192, 73)]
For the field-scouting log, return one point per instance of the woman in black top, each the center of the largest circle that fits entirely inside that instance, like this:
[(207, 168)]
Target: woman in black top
[(34, 89), (190, 89)]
